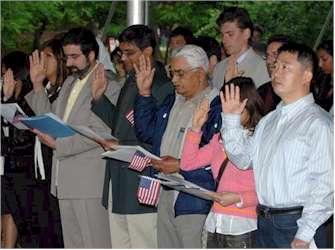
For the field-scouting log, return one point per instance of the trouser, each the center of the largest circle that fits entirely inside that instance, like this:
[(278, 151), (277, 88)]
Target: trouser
[(279, 230), (216, 240), (183, 231), (132, 230), (84, 223)]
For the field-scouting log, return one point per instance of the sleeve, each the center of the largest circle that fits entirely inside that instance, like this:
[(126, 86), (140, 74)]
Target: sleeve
[(77, 144), (39, 102), (194, 157), (145, 117), (104, 109), (237, 145), (319, 204)]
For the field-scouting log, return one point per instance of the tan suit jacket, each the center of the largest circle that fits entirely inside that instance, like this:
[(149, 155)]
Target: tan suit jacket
[(81, 168)]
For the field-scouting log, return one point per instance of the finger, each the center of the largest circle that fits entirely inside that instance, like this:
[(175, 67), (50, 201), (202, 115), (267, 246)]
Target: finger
[(36, 57), (31, 61), (232, 92), (42, 58), (148, 63), (237, 93), (142, 63), (151, 76)]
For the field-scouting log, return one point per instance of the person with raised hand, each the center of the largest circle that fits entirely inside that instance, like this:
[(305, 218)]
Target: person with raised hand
[(235, 197), (291, 153)]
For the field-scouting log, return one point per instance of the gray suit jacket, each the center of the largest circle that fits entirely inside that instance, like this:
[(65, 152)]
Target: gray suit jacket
[(252, 65), (81, 168)]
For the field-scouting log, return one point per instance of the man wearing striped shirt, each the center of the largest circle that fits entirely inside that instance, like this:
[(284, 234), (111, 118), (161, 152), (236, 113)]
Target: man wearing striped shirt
[(291, 153)]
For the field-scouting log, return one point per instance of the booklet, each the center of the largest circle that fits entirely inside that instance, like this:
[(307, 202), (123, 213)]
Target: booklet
[(126, 153), (11, 112), (49, 124), (178, 183), (90, 134)]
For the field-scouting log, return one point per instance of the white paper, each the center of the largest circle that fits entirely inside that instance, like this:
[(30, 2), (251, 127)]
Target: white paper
[(180, 184), (126, 153), (89, 133), (9, 111)]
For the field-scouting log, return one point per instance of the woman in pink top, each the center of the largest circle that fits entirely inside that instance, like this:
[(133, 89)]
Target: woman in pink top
[(233, 214)]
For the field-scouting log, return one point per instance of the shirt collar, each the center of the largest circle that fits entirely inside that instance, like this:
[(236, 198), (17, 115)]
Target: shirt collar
[(293, 108), (241, 57)]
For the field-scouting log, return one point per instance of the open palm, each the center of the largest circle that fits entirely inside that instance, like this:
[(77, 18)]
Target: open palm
[(9, 84), (37, 69), (230, 100), (200, 115), (144, 75)]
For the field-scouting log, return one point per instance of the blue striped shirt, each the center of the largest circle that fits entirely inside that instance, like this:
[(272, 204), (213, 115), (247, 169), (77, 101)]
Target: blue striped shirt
[(291, 153)]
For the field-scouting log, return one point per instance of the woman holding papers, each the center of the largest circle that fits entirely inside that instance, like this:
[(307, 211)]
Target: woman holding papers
[(233, 214)]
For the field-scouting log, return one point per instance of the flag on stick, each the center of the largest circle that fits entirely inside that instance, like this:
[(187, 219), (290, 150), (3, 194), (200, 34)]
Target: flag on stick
[(148, 191), (130, 117), (139, 162)]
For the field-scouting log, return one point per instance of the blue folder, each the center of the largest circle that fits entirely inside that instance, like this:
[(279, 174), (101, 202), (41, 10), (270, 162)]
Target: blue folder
[(49, 124)]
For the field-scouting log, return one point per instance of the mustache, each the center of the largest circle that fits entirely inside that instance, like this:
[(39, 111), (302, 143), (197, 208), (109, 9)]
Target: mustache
[(79, 72)]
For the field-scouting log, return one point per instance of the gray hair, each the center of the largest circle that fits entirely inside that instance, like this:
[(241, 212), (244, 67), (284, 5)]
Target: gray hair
[(194, 55)]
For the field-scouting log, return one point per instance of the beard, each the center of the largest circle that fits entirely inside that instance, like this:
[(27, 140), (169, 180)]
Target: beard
[(79, 73)]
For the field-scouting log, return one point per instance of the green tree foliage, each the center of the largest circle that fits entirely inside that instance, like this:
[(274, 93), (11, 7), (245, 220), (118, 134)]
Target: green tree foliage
[(20, 20)]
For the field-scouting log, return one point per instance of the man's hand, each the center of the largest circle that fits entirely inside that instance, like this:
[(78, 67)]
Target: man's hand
[(230, 100), (45, 138), (9, 84), (296, 243), (37, 70), (200, 115), (232, 69), (99, 83), (167, 165), (144, 76), (227, 198), (108, 143)]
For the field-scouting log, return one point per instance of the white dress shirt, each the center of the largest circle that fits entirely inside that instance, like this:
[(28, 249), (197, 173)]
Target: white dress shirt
[(291, 153)]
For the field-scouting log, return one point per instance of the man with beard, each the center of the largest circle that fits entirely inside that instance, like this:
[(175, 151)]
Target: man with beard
[(77, 170), (236, 30)]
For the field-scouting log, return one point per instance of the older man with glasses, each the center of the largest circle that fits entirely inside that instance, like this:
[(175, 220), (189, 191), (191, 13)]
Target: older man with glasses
[(181, 217)]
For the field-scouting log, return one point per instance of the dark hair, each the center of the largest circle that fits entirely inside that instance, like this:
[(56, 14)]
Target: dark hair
[(84, 38), (184, 32), (240, 15), (259, 28), (18, 62), (209, 45), (255, 105), (55, 45), (305, 55), (327, 46), (140, 35), (117, 53), (279, 38)]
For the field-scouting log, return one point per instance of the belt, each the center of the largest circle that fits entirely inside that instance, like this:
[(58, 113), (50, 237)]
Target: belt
[(267, 212)]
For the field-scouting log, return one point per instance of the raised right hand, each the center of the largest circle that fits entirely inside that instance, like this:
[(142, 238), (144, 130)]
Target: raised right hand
[(99, 83), (230, 100), (144, 76), (37, 69), (9, 84), (200, 115)]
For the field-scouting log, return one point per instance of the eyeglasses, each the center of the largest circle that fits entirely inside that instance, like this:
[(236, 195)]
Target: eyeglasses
[(180, 72), (128, 53)]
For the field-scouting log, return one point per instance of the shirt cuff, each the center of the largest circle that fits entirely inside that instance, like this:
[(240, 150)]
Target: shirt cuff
[(305, 234), (231, 120)]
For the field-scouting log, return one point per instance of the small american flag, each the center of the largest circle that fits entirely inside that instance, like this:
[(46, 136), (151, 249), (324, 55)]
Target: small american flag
[(139, 161), (130, 117), (148, 191)]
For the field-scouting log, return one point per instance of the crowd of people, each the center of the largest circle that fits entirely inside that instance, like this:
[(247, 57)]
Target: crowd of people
[(252, 123)]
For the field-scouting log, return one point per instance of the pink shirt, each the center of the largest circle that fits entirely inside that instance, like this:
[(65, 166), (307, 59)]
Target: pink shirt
[(233, 179)]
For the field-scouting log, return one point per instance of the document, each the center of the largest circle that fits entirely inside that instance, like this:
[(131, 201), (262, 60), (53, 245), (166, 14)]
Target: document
[(90, 134), (11, 112), (126, 152), (49, 124), (178, 183)]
